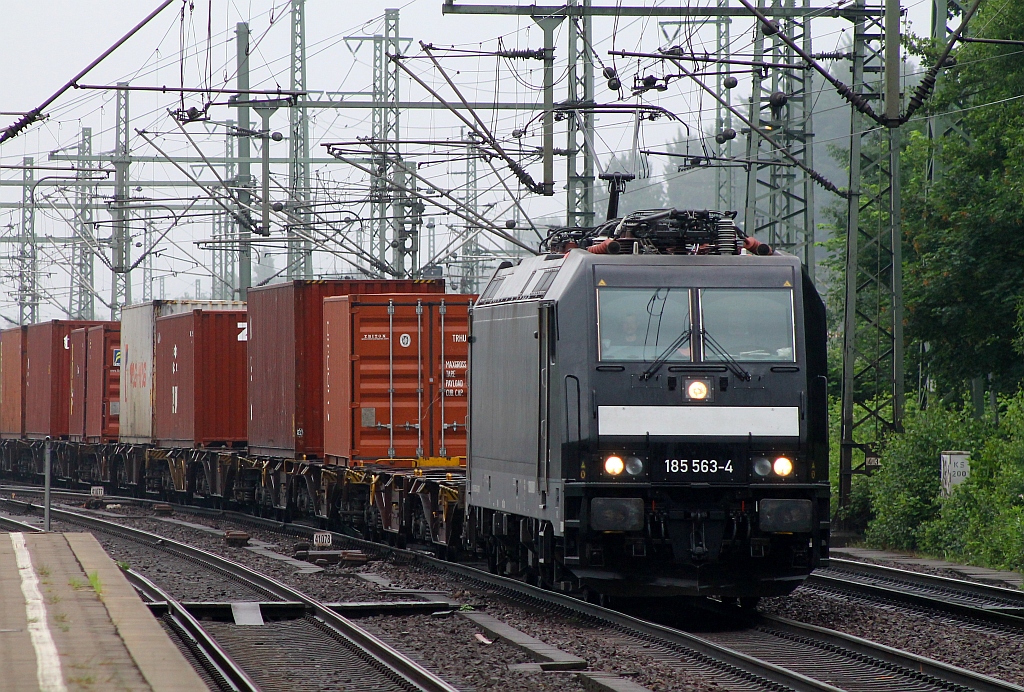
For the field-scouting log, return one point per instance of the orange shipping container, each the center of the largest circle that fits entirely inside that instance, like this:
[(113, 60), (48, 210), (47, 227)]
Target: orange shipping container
[(103, 383), (79, 342), (286, 368), (12, 382), (395, 377)]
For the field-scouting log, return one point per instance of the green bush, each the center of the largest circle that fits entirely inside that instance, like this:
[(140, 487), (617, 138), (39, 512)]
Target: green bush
[(982, 522), (905, 492)]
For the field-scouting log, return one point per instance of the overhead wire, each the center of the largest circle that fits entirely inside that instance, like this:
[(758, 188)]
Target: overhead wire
[(495, 117)]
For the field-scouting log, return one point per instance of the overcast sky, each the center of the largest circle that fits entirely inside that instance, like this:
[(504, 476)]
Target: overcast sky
[(46, 42)]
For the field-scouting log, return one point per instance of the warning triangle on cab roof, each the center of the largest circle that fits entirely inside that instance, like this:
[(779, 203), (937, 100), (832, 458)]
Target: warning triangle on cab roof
[(787, 283), (601, 283)]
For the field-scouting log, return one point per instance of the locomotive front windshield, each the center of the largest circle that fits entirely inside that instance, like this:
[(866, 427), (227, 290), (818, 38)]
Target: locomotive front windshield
[(640, 324), (747, 324)]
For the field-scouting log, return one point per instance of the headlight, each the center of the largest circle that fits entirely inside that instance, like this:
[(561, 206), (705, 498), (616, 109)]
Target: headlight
[(783, 466), (634, 466), (614, 465), (697, 389), (762, 466)]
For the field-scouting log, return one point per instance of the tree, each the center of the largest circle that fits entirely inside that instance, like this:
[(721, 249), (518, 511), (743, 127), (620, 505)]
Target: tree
[(964, 275)]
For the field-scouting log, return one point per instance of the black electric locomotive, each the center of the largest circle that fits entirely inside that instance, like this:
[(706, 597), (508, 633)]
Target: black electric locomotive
[(648, 413)]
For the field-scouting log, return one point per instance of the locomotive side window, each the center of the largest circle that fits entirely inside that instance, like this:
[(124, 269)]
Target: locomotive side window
[(641, 324), (748, 324), (492, 289)]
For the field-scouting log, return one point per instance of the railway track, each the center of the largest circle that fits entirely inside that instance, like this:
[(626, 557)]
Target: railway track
[(967, 600), (772, 654), (775, 651), (339, 654), (215, 659)]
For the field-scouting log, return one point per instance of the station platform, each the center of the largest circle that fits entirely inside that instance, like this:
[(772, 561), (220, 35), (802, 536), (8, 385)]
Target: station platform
[(1005, 578), (69, 620)]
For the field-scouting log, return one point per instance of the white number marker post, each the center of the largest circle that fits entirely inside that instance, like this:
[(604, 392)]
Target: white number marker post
[(956, 467)]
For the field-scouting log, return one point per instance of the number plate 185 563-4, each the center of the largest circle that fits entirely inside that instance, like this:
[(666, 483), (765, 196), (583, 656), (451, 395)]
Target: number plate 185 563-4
[(709, 469)]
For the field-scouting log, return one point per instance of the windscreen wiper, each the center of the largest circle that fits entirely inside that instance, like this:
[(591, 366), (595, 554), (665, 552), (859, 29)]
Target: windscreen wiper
[(680, 340), (730, 362)]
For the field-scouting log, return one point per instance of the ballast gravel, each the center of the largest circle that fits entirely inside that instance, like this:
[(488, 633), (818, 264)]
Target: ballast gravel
[(332, 584), (994, 652), (604, 650), (938, 571), (449, 647), (445, 645)]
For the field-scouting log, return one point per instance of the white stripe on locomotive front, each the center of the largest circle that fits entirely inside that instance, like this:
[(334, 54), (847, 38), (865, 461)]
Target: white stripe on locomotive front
[(700, 421)]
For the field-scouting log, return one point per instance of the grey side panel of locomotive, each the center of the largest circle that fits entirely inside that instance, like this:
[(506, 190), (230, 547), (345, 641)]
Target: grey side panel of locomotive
[(505, 411), (517, 390)]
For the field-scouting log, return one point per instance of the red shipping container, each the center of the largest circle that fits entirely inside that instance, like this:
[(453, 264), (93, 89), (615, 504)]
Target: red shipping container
[(103, 383), (79, 342), (199, 394), (395, 378), (48, 377), (286, 415), (12, 382)]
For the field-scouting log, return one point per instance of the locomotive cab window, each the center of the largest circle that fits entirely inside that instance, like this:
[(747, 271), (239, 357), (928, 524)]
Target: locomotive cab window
[(644, 324), (751, 324)]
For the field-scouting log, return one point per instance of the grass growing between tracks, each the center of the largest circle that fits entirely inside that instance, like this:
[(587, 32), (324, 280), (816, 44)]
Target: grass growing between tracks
[(982, 521)]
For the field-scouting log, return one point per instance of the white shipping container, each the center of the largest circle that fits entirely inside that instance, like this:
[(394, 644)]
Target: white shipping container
[(138, 327)]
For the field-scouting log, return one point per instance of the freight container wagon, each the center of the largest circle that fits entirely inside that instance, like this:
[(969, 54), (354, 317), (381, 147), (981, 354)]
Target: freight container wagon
[(12, 383), (103, 383), (200, 390), (138, 344), (395, 379), (79, 341), (285, 355), (48, 377)]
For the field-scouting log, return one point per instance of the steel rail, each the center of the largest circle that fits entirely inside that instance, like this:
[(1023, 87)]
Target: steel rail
[(911, 662), (903, 659), (730, 659), (721, 654), (759, 669), (944, 599), (1003, 600), (15, 525), (937, 670), (973, 588), (407, 670), (214, 654)]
